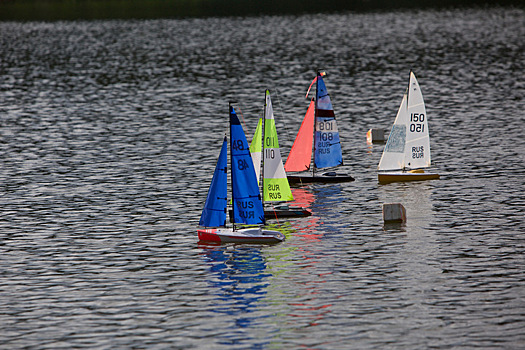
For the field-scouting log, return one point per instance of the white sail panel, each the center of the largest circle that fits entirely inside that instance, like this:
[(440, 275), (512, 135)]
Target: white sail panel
[(256, 149), (394, 153), (417, 148)]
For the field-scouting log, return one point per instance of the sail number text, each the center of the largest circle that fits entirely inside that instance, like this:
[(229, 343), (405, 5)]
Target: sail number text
[(326, 134), (418, 152), (242, 164), (269, 153), (238, 145), (322, 126), (245, 209), (324, 142), (269, 143), (416, 122), (274, 193)]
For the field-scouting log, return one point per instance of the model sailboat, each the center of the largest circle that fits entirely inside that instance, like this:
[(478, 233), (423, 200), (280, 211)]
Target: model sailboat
[(320, 129), (275, 183), (246, 198), (407, 151)]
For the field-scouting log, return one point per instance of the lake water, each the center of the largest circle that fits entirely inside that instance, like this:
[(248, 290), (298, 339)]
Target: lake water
[(109, 135)]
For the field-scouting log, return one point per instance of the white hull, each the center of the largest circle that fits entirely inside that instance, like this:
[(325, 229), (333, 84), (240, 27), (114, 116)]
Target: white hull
[(246, 235)]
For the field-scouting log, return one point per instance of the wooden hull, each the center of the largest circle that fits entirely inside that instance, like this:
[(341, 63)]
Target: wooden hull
[(389, 177), (323, 178), (247, 235)]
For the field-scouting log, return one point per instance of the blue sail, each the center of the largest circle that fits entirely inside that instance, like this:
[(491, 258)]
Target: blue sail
[(327, 144), (247, 204), (214, 212)]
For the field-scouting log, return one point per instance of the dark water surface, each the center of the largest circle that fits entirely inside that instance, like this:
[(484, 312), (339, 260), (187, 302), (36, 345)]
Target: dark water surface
[(109, 135)]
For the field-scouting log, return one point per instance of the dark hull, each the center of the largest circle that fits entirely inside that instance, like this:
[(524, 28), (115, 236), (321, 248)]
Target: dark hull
[(281, 213), (286, 213), (308, 178)]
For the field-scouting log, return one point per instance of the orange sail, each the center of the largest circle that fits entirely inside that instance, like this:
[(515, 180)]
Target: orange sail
[(301, 153)]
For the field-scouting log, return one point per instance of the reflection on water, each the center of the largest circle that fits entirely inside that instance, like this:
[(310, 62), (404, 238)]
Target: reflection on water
[(308, 309), (395, 227), (415, 197), (307, 227), (238, 279)]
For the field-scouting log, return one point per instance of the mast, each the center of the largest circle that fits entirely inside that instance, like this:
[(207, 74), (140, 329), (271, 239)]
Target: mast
[(408, 96), (231, 160), (262, 148), (314, 146), (408, 86), (406, 124)]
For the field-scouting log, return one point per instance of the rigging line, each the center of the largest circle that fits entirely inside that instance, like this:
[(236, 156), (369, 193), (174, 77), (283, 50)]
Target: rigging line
[(245, 128), (242, 114), (286, 129)]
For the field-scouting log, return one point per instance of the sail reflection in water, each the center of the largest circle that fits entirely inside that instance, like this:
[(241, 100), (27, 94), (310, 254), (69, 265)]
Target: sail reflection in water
[(306, 227), (307, 306), (239, 279)]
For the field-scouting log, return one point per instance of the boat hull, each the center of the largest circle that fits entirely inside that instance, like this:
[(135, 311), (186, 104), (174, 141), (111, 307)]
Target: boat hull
[(323, 178), (292, 212), (286, 213), (247, 235), (389, 177)]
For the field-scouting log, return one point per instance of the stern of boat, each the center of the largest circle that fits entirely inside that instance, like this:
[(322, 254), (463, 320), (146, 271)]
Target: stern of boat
[(208, 235)]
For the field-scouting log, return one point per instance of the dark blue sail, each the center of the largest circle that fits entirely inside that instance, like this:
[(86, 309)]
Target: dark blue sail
[(247, 204), (327, 144), (214, 212)]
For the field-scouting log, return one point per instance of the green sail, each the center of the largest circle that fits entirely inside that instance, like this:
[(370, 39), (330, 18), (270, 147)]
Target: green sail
[(275, 182), (256, 149)]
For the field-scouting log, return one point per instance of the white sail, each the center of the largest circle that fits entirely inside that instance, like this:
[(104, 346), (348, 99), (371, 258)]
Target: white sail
[(417, 148), (256, 149), (408, 145), (394, 153)]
